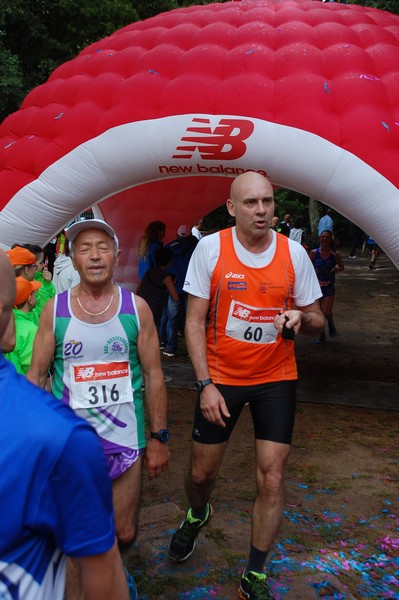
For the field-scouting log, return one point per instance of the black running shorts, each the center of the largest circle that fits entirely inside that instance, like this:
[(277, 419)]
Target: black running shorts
[(272, 408)]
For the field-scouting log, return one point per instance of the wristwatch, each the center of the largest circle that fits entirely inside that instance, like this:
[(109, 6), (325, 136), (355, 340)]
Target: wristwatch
[(163, 435), (201, 383)]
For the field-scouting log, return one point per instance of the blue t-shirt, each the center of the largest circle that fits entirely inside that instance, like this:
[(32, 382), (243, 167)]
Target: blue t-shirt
[(323, 268), (148, 262), (55, 493), (325, 224)]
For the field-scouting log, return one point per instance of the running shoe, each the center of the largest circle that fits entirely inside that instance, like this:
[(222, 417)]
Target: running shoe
[(332, 330), (131, 586), (168, 353), (254, 586), (183, 540)]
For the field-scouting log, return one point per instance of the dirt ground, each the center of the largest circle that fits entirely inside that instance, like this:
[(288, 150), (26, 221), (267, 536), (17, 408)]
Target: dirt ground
[(340, 533)]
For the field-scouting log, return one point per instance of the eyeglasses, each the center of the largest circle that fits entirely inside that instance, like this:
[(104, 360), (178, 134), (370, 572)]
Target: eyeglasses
[(34, 266)]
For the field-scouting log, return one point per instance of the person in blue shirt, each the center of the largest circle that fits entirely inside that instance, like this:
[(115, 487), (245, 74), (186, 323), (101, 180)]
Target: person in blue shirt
[(327, 262), (149, 243), (326, 223), (43, 487), (182, 248)]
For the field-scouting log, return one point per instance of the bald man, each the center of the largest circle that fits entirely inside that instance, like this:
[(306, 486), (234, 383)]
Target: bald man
[(261, 290), (43, 487)]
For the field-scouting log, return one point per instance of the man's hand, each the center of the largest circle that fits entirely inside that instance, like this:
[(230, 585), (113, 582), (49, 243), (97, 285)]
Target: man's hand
[(294, 320), (309, 320), (156, 458), (213, 405)]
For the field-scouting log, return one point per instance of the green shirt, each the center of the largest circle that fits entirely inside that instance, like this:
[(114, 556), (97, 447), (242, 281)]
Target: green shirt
[(43, 295), (25, 332)]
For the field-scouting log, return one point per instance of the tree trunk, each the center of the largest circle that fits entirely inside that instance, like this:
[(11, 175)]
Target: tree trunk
[(314, 218)]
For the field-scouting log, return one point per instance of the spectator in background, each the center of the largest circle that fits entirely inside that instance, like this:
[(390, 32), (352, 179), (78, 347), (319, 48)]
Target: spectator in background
[(23, 263), (149, 243), (196, 230), (374, 252), (47, 289), (25, 330), (65, 274), (296, 231), (326, 223), (327, 262), (275, 225), (60, 245), (50, 254), (285, 225), (155, 287), (182, 249)]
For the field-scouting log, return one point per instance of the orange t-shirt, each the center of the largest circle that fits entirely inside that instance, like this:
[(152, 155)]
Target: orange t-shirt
[(243, 345)]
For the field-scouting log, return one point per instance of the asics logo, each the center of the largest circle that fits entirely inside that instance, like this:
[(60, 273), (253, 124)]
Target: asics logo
[(231, 275)]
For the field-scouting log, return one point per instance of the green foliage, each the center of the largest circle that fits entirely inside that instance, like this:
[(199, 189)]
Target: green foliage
[(11, 82), (38, 36), (389, 5)]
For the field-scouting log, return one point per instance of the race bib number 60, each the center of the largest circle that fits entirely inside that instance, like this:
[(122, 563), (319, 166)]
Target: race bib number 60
[(100, 385), (251, 324)]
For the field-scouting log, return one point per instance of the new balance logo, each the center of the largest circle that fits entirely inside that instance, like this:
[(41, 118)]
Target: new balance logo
[(241, 312), (224, 142), (85, 372)]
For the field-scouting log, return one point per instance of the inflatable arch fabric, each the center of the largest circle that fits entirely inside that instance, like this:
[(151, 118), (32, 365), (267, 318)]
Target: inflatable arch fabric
[(154, 121)]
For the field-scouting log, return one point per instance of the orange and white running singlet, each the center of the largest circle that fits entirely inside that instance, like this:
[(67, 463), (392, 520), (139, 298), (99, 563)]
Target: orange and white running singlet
[(242, 342)]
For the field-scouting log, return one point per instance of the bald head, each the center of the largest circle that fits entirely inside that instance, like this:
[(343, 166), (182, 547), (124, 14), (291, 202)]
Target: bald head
[(248, 184), (7, 291), (251, 203)]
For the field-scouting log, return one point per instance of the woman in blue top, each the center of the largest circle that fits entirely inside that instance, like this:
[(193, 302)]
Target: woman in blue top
[(149, 243), (327, 262)]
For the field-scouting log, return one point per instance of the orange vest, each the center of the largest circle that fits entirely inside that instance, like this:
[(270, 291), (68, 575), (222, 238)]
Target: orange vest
[(243, 347)]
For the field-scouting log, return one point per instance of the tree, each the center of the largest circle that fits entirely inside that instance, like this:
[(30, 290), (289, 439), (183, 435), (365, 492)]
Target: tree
[(389, 5), (11, 82)]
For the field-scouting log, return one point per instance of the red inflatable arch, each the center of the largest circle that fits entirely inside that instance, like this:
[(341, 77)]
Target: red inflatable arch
[(154, 121)]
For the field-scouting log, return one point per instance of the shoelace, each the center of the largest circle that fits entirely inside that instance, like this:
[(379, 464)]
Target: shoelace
[(188, 529), (260, 587)]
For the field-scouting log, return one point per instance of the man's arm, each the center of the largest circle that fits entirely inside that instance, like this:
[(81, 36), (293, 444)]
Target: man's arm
[(213, 405), (8, 340), (156, 456), (43, 347), (307, 320), (102, 576)]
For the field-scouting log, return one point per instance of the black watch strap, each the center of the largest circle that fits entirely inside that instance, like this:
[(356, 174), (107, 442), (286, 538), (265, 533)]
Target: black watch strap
[(201, 383)]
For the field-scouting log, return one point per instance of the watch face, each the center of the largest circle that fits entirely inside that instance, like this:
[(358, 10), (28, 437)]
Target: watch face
[(199, 386), (164, 435)]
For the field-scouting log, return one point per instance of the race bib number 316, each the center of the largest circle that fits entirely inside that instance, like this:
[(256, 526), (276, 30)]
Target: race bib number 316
[(100, 385), (251, 324)]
